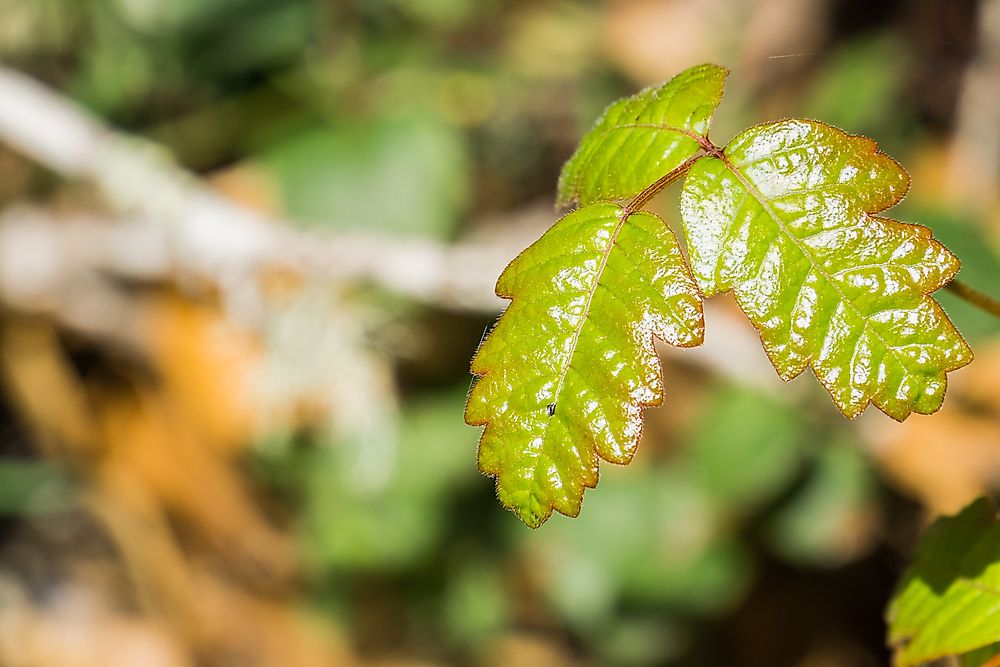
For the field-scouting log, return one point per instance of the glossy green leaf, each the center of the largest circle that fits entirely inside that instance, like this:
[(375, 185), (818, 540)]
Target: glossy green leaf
[(570, 364), (640, 138), (785, 217), (948, 602)]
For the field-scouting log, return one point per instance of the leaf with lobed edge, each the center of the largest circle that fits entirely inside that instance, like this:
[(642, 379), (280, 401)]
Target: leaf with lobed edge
[(569, 366), (640, 138), (785, 217), (948, 602)]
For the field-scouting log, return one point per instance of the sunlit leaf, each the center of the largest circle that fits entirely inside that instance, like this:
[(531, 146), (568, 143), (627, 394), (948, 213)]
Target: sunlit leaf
[(948, 602), (640, 138), (785, 217), (570, 365)]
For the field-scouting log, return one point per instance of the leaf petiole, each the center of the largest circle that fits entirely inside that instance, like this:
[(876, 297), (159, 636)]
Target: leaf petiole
[(657, 186)]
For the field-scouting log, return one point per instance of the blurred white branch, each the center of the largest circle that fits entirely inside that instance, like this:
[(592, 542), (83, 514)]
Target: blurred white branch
[(177, 224), (171, 225)]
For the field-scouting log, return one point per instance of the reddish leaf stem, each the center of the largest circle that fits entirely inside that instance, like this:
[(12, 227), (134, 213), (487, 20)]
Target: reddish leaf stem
[(656, 186)]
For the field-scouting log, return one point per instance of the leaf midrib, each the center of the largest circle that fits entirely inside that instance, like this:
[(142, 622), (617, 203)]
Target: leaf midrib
[(623, 215)]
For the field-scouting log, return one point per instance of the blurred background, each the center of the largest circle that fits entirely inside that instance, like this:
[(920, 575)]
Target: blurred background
[(247, 249)]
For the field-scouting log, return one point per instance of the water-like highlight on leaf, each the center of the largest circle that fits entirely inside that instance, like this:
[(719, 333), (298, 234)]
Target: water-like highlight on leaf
[(640, 138), (785, 217), (565, 373)]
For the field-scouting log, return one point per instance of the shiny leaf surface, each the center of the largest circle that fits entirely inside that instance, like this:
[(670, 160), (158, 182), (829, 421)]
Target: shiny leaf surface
[(570, 364), (640, 138), (948, 602), (785, 217)]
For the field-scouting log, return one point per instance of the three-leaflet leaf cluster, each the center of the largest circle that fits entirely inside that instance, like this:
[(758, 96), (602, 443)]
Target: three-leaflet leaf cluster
[(785, 217)]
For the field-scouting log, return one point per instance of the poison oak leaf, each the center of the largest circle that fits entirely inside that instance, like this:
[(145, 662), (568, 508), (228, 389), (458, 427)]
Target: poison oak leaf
[(643, 137), (785, 217), (570, 364)]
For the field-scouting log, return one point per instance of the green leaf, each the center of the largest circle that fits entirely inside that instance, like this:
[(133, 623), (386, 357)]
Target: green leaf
[(664, 545), (328, 174), (948, 602), (983, 657), (785, 217), (745, 449), (830, 517), (570, 364), (640, 138)]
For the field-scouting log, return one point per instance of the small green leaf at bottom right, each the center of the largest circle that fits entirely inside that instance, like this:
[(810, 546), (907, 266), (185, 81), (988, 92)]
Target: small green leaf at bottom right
[(948, 602)]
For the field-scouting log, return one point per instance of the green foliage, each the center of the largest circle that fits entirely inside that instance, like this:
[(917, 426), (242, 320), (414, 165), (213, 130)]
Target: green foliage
[(640, 138), (980, 657), (784, 216), (850, 93), (28, 487), (826, 521), (329, 174), (948, 602), (399, 522), (745, 448), (665, 542), (570, 365)]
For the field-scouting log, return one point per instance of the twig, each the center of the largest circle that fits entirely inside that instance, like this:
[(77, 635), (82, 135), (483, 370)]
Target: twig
[(980, 300)]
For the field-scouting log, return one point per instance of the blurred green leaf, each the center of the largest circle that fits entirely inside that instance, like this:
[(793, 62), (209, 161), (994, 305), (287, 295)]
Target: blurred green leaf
[(118, 68), (858, 87), (745, 448), (980, 657), (827, 520), (29, 487), (440, 13), (249, 36), (400, 524), (948, 602), (660, 544), (404, 175), (475, 601), (631, 640)]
